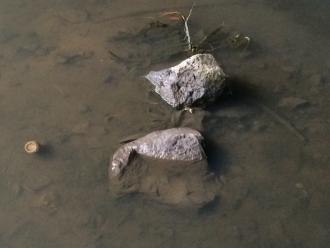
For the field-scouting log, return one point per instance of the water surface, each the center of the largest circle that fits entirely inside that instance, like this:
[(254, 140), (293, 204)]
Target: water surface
[(59, 85)]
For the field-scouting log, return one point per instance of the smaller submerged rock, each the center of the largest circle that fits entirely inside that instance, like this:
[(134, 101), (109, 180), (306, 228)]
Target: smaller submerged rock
[(186, 184), (171, 168), (198, 78), (180, 144)]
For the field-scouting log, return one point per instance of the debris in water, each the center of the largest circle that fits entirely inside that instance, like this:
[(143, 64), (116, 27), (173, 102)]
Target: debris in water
[(31, 147), (238, 40)]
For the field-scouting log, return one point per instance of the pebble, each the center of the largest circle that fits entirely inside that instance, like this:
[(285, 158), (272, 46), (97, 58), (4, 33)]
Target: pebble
[(292, 102)]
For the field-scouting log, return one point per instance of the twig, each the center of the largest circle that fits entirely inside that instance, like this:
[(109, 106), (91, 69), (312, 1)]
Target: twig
[(176, 15), (186, 28), (148, 12)]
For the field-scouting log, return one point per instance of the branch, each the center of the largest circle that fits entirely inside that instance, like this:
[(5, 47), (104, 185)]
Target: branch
[(186, 28)]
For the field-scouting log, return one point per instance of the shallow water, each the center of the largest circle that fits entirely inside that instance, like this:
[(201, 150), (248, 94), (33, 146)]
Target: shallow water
[(59, 85)]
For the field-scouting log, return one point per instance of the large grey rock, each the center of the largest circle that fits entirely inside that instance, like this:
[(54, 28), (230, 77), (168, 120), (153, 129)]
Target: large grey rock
[(178, 144), (198, 78), (171, 168)]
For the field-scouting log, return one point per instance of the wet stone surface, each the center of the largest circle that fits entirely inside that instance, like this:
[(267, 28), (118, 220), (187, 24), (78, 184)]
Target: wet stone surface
[(196, 79), (176, 144), (169, 166)]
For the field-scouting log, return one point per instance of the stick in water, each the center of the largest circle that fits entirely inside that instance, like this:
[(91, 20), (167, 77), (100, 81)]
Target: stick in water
[(186, 28)]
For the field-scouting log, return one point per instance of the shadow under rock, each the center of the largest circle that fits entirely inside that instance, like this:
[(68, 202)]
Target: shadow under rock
[(216, 156), (237, 93)]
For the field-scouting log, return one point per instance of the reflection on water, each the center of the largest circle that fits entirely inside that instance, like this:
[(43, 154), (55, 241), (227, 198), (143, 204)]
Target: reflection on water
[(267, 141)]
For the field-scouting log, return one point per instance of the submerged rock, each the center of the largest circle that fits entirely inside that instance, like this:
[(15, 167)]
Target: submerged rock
[(170, 167), (176, 183), (181, 144), (198, 78)]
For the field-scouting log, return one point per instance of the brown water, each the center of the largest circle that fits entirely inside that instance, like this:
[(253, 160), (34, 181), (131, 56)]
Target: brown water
[(60, 86)]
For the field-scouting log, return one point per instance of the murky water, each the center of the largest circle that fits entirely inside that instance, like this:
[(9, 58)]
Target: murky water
[(267, 141)]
